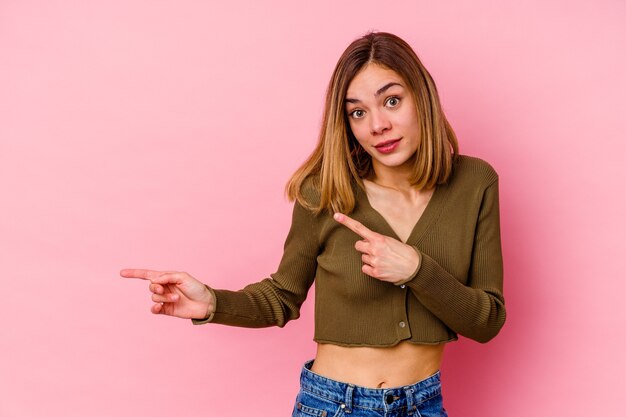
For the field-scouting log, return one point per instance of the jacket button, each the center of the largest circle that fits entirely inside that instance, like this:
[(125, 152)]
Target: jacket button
[(402, 324), (402, 286)]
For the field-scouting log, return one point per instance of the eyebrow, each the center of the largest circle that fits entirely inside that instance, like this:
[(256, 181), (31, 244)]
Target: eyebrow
[(377, 93)]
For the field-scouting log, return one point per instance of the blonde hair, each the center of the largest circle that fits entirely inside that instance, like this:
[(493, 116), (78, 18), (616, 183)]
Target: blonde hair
[(338, 162)]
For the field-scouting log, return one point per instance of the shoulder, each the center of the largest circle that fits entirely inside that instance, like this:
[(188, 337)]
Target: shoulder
[(310, 190), (472, 178), (475, 170)]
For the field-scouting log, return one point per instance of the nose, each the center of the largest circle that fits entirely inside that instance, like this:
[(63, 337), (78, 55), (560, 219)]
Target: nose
[(379, 123)]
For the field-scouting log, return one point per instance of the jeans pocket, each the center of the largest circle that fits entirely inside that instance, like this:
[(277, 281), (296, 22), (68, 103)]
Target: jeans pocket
[(309, 405), (432, 407)]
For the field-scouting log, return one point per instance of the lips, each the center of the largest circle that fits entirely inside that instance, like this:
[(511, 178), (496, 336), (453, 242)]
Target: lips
[(387, 146)]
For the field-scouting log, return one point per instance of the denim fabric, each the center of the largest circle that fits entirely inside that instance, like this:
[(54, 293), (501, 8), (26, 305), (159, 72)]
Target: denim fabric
[(324, 397)]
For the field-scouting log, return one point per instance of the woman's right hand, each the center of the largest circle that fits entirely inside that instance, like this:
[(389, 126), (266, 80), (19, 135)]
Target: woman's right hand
[(175, 293)]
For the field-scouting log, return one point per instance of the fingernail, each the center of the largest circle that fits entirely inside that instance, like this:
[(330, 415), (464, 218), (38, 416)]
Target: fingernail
[(337, 216)]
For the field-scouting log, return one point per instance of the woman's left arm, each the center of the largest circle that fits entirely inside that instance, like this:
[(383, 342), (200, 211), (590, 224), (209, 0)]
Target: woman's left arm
[(475, 309)]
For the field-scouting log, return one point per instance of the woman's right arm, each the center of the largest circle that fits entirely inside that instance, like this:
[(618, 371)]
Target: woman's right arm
[(271, 302)]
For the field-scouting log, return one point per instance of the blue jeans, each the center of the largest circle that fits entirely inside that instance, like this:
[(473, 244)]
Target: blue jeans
[(323, 397)]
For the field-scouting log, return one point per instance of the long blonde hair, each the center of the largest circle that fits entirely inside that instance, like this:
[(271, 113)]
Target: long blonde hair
[(339, 162)]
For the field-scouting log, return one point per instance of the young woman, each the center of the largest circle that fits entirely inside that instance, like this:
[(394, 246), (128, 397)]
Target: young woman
[(400, 233)]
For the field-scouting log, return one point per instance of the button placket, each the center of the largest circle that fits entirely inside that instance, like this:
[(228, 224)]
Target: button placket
[(401, 320)]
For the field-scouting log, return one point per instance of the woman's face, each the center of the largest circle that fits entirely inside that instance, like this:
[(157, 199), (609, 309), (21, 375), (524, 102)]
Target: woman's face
[(382, 115)]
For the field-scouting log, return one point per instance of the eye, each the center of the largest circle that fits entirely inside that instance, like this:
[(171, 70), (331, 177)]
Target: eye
[(357, 114), (392, 101)]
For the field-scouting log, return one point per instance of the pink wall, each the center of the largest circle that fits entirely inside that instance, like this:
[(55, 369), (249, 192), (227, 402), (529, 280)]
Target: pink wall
[(159, 134)]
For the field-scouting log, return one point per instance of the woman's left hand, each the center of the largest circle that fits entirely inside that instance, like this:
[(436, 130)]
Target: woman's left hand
[(384, 257)]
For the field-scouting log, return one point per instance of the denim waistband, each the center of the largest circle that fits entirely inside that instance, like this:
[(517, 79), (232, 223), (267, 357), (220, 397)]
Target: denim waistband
[(350, 395)]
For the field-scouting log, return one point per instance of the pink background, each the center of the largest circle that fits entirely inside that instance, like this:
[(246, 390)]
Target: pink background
[(159, 134)]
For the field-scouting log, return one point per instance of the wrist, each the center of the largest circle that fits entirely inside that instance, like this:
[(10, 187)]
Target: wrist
[(416, 262), (208, 304)]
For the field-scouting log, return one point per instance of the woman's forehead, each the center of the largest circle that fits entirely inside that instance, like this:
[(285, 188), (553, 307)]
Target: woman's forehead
[(371, 79)]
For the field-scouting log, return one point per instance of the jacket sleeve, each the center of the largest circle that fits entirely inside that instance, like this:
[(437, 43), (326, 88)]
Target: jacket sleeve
[(475, 310), (277, 299)]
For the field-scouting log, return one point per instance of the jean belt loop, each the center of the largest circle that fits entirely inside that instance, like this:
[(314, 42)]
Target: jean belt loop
[(410, 406), (348, 400)]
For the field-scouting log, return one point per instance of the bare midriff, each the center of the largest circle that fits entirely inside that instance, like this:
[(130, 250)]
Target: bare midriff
[(378, 367)]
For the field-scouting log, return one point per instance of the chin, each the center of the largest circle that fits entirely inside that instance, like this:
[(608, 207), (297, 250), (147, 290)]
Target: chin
[(394, 161)]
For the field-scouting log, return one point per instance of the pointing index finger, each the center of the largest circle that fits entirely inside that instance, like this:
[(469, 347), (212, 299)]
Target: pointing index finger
[(354, 225), (139, 273)]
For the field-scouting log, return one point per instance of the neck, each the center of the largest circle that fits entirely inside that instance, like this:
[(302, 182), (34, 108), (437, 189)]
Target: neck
[(392, 177)]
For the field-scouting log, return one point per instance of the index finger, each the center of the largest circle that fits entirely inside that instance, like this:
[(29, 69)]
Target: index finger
[(354, 225), (140, 273)]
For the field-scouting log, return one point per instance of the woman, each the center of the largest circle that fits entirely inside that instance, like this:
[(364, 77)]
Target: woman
[(400, 233)]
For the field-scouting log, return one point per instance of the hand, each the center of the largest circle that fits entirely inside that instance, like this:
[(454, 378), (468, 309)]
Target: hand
[(175, 294), (384, 257)]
